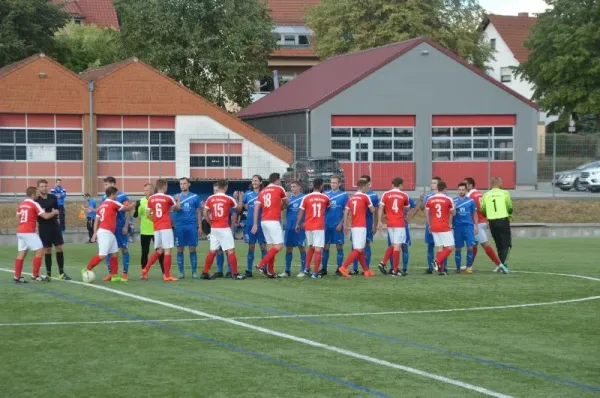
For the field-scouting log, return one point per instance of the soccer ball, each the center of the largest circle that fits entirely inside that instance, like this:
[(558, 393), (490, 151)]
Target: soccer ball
[(88, 276)]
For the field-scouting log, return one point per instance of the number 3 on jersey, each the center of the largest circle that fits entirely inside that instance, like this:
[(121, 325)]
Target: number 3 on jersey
[(101, 213), (438, 210)]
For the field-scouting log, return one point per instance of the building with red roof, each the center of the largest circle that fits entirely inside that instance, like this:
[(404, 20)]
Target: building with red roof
[(98, 12)]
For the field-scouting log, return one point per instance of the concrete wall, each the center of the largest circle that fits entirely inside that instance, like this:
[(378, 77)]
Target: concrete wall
[(425, 86), (285, 129)]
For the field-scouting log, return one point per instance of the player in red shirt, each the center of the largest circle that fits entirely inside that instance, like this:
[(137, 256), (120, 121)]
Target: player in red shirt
[(393, 203), (481, 236), (217, 209), (439, 208), (357, 208), (159, 210), (27, 238), (271, 199), (104, 232), (314, 205)]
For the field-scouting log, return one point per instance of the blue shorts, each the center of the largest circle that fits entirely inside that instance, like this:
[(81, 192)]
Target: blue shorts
[(428, 236), (253, 239), (334, 237), (122, 240), (293, 238), (407, 235), (186, 236), (464, 234)]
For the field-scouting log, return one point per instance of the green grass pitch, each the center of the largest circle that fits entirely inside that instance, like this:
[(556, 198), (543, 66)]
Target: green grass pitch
[(70, 340)]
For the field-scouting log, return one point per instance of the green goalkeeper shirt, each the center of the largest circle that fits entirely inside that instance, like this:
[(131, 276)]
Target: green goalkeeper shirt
[(496, 204)]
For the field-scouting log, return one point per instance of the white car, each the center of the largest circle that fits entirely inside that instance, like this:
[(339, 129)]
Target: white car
[(590, 179)]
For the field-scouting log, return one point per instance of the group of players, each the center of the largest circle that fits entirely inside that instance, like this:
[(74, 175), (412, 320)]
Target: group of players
[(317, 220)]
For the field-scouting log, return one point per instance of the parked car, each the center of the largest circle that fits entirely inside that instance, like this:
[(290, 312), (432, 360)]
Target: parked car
[(590, 178), (306, 170), (571, 179)]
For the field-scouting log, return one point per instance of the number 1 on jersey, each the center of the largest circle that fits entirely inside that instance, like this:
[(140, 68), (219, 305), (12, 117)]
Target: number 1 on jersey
[(316, 209)]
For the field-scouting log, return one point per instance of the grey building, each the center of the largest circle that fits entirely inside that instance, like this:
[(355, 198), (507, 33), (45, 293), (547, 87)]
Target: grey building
[(411, 109)]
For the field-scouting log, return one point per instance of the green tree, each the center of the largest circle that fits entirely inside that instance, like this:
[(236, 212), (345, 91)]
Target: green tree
[(343, 26), (216, 48), (564, 64), (27, 27), (87, 46)]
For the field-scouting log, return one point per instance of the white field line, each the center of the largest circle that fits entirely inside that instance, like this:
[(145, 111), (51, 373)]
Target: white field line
[(361, 314), (348, 353)]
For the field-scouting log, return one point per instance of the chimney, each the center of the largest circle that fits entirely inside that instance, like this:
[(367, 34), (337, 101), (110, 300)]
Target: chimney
[(523, 14)]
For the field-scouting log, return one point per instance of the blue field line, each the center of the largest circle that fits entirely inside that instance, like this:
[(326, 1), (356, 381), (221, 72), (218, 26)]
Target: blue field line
[(389, 338), (212, 341)]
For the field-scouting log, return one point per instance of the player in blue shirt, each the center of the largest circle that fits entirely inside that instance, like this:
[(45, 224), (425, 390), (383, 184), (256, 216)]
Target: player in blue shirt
[(464, 224), (61, 194), (122, 231), (293, 238), (90, 210), (334, 225), (372, 220), (428, 236), (187, 224), (248, 202)]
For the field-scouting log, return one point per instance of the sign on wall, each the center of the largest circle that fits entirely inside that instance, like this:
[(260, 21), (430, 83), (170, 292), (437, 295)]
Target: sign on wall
[(43, 153)]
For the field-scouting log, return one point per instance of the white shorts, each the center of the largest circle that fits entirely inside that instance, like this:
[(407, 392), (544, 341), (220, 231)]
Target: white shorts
[(29, 241), (221, 238), (481, 236), (273, 232), (397, 235), (359, 237), (107, 242), (443, 239), (163, 239), (316, 238)]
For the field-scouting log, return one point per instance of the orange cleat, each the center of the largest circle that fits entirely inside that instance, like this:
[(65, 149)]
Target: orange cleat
[(108, 278), (369, 273), (170, 279), (344, 272), (124, 278), (144, 276)]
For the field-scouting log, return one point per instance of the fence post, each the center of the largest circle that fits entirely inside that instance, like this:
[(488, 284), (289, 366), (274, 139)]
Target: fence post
[(15, 165), (228, 157), (553, 164), (489, 165)]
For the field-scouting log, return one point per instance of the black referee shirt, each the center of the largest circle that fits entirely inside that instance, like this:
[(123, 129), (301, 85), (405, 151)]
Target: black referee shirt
[(48, 204)]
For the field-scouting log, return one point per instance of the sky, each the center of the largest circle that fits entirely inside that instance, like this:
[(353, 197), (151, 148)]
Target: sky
[(513, 7)]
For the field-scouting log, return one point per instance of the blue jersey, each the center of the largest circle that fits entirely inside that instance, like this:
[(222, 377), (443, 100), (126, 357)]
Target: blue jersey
[(250, 200), (335, 213), (186, 215), (123, 199), (92, 204), (411, 205), (292, 211), (60, 193), (375, 201), (465, 208)]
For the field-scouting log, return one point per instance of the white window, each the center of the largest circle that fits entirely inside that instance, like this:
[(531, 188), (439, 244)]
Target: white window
[(472, 143), (372, 144), (136, 145), (506, 74), (41, 144)]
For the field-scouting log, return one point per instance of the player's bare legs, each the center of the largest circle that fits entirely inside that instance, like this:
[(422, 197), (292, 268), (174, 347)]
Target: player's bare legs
[(37, 264), (154, 258)]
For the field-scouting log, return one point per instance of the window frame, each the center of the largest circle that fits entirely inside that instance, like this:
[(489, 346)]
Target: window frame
[(23, 142), (149, 145), (397, 135), (491, 141)]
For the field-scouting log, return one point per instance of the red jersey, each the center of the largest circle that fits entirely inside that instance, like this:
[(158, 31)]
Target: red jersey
[(107, 215), (477, 197), (314, 205), (270, 199), (439, 206), (28, 212), (220, 206), (358, 205), (394, 203), (161, 204)]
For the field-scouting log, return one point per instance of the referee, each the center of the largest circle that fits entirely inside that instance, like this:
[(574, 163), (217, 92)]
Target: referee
[(50, 232), (497, 207)]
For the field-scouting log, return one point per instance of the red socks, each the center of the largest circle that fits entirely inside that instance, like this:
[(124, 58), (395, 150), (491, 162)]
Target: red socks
[(232, 259), (474, 253), (93, 262), (37, 264), (269, 260), (208, 262), (309, 257), (491, 254), (19, 267), (396, 260), (351, 257), (114, 264), (442, 255), (167, 264), (318, 255), (271, 265), (363, 261), (387, 255), (153, 258)]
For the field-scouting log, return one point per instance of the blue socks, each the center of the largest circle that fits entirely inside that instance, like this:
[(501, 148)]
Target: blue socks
[(193, 261), (368, 255), (126, 262), (303, 261), (180, 262), (108, 262), (469, 258), (404, 257), (458, 258), (263, 253), (250, 260), (325, 259), (430, 255), (288, 261), (340, 257), (220, 262)]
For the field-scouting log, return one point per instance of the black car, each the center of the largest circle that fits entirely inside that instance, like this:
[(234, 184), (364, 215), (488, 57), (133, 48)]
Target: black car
[(306, 170)]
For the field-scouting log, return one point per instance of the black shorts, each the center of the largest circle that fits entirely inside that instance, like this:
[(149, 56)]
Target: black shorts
[(50, 235)]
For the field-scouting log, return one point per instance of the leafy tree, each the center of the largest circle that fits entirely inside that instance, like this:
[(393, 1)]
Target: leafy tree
[(564, 63), (27, 27), (216, 48), (87, 46), (343, 26)]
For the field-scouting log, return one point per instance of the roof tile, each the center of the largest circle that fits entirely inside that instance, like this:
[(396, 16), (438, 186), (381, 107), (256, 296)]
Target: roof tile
[(295, 52), (99, 12), (514, 30), (290, 12)]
